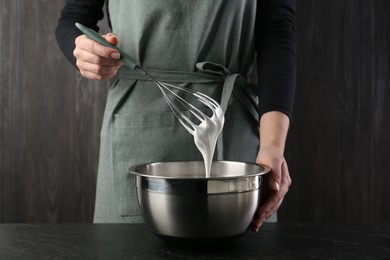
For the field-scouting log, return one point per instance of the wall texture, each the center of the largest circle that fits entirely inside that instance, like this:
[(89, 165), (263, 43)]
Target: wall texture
[(50, 121), (339, 144), (338, 147)]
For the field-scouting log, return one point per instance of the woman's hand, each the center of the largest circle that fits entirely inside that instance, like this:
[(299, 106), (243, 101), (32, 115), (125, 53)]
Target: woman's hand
[(273, 132), (96, 61)]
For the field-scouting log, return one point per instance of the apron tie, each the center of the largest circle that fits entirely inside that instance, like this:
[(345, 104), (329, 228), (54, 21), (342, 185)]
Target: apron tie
[(208, 72)]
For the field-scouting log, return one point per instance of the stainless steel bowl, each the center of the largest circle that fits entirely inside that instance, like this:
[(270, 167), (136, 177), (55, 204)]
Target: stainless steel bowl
[(178, 201)]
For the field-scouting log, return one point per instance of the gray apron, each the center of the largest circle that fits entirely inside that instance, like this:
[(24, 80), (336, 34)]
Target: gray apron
[(203, 45)]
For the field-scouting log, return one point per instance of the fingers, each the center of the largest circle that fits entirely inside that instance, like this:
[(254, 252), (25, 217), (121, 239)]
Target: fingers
[(280, 179), (96, 61), (111, 38), (97, 72), (88, 45), (275, 199)]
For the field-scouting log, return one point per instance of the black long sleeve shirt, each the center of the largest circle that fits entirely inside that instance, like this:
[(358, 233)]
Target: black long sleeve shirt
[(275, 44)]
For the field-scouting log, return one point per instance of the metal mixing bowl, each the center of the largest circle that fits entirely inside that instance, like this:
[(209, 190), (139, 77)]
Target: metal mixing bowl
[(178, 201)]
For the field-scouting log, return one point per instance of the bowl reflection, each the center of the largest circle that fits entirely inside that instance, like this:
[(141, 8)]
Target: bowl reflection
[(179, 202)]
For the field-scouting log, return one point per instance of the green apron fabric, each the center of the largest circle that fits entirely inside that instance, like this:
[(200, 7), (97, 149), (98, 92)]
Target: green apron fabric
[(202, 45)]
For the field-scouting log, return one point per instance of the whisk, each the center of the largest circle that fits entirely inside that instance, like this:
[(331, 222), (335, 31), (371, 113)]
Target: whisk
[(213, 123)]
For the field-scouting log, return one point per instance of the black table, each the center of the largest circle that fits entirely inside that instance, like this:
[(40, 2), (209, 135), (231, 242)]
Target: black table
[(136, 241)]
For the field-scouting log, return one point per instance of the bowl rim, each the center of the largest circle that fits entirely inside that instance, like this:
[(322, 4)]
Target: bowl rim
[(265, 170)]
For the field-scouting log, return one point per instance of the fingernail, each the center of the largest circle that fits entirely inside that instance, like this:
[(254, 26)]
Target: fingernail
[(276, 186), (258, 227), (115, 55)]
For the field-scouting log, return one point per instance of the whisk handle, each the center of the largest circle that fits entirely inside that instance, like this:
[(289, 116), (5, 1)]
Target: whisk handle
[(91, 34)]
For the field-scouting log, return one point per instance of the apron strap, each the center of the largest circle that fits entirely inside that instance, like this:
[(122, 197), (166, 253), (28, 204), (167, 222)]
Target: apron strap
[(169, 76), (245, 93), (227, 91)]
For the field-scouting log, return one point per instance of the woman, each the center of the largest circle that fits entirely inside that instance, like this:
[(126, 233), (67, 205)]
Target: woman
[(187, 39)]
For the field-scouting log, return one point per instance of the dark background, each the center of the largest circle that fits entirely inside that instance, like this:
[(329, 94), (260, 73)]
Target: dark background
[(338, 147)]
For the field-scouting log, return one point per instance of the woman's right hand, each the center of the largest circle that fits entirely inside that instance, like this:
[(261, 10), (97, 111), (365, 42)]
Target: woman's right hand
[(96, 61)]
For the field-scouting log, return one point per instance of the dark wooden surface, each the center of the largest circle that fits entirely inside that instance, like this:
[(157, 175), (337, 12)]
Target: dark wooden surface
[(121, 241), (338, 147)]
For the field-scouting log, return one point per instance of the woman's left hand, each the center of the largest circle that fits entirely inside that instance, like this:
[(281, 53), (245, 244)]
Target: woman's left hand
[(273, 132), (279, 182)]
